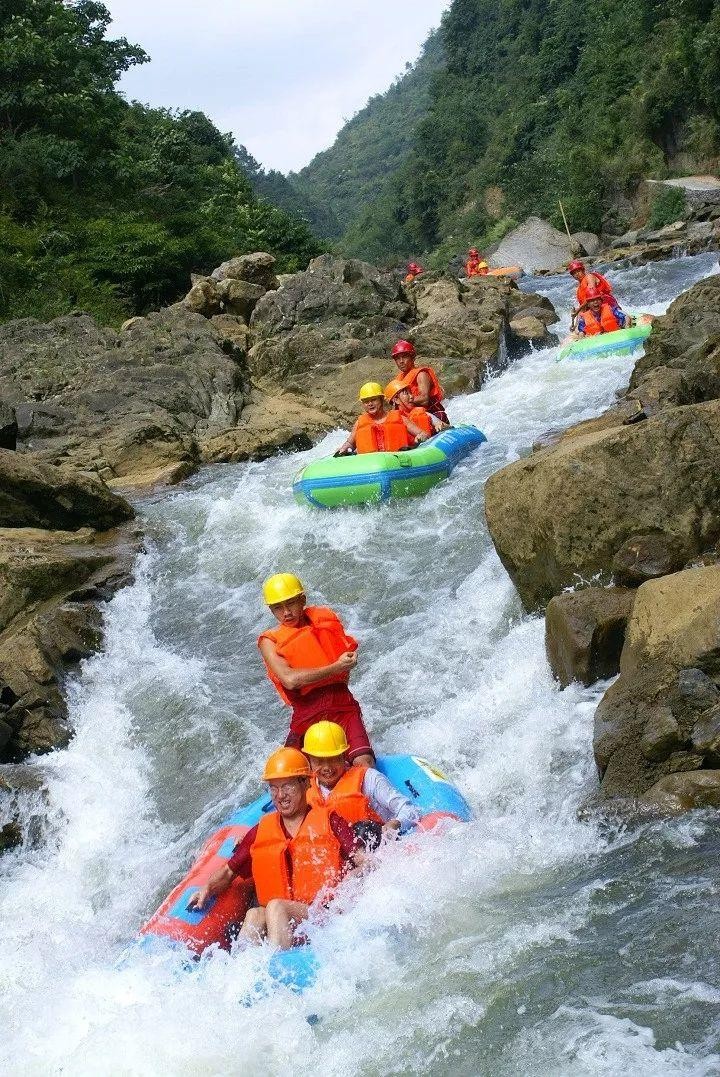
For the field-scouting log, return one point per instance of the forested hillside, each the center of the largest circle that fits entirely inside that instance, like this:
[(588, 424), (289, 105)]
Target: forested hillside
[(545, 99), (370, 148), (107, 205)]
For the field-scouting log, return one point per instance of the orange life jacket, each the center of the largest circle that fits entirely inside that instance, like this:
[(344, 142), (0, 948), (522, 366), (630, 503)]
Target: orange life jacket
[(593, 280), (606, 323), (346, 798), (298, 868), (421, 417), (388, 435), (409, 381), (476, 269), (311, 646)]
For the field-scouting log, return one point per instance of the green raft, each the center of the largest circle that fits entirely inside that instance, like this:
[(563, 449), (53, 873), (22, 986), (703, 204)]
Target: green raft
[(621, 342), (376, 476)]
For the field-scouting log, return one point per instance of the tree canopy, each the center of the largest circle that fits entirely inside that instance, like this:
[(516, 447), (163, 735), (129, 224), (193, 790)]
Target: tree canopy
[(104, 204)]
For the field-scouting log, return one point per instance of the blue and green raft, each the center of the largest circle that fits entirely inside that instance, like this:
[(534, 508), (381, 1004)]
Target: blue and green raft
[(334, 482)]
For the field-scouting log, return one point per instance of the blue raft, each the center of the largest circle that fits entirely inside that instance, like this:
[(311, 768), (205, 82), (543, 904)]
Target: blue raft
[(175, 925)]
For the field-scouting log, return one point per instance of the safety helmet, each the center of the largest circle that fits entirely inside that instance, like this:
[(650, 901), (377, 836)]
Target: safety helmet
[(281, 588), (594, 293), (473, 252), (393, 388), (286, 763), (403, 347), (575, 265), (325, 740), (369, 390), (412, 267)]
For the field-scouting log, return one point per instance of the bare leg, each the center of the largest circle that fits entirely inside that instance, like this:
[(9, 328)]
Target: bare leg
[(254, 925), (282, 917), (364, 761)]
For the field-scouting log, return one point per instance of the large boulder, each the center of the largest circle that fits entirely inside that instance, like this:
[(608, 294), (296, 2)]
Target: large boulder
[(51, 582), (535, 244), (35, 494), (661, 716), (23, 796), (562, 514)]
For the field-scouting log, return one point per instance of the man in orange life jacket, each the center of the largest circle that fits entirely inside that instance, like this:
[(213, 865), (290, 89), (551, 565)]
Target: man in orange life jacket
[(601, 314), (420, 380), (587, 282), (398, 394), (379, 428), (294, 855), (475, 265), (309, 658), (359, 794)]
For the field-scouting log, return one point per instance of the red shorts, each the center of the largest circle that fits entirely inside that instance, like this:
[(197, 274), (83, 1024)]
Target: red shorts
[(345, 711)]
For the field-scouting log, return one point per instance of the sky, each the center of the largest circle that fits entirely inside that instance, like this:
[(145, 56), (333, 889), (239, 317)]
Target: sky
[(281, 75)]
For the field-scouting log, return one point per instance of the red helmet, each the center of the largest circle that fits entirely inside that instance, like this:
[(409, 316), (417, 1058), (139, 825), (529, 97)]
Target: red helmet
[(473, 252), (412, 266), (403, 347), (574, 266), (594, 293)]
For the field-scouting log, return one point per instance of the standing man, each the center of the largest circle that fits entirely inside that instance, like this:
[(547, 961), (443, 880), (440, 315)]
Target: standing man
[(475, 265), (309, 658)]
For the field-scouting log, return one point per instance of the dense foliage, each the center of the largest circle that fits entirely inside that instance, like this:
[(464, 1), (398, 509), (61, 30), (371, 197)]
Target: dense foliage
[(352, 174), (108, 205), (546, 99)]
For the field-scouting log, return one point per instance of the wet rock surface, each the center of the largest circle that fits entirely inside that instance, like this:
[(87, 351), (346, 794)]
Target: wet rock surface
[(585, 632)]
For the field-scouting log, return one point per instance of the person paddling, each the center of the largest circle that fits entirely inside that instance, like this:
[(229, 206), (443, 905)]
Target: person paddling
[(357, 793), (399, 396), (295, 855), (421, 380), (309, 658), (380, 428)]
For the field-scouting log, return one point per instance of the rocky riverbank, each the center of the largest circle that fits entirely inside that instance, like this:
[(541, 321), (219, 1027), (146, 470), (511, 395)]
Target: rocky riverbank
[(627, 517)]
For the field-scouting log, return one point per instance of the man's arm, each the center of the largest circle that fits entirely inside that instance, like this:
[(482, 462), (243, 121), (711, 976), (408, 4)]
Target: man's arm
[(239, 863), (424, 385), (349, 444), (388, 802), (302, 678)]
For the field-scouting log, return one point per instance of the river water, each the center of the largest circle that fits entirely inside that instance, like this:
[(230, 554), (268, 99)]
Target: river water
[(528, 942)]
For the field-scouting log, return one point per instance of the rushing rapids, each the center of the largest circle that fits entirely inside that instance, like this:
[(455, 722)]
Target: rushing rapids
[(527, 942)]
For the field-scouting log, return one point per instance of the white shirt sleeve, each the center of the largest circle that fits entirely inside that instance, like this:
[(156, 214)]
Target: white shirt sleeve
[(387, 802)]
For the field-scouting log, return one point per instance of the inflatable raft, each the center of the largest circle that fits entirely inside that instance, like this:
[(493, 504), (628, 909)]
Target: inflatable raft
[(175, 925), (376, 476), (621, 342), (513, 272)]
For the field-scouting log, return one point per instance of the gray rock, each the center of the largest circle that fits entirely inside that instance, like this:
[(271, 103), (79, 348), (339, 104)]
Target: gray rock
[(35, 494), (585, 632), (257, 268), (240, 297), (661, 737), (534, 244), (705, 735)]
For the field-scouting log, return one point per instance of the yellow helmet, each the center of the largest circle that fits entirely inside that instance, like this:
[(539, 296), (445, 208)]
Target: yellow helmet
[(286, 763), (325, 739), (281, 588), (370, 389), (393, 388)]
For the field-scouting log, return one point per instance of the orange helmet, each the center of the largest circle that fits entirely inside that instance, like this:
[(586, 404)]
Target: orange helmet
[(393, 388), (403, 347), (594, 293), (286, 763)]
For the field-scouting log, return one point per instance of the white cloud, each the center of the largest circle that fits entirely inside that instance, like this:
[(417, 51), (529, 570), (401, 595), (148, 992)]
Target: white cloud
[(282, 75)]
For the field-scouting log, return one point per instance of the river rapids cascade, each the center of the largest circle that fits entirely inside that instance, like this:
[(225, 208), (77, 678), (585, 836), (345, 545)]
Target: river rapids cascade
[(530, 941)]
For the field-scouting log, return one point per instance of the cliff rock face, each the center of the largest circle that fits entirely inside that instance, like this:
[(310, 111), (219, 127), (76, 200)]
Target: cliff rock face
[(57, 560)]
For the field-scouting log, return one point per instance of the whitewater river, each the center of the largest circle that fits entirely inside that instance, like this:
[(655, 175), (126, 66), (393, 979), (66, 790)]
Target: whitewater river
[(528, 942)]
